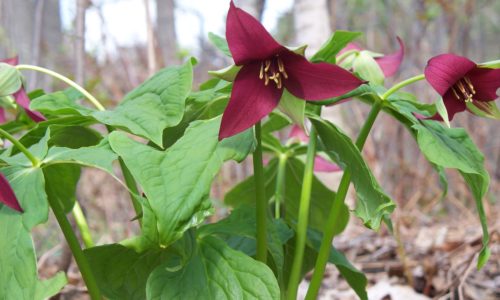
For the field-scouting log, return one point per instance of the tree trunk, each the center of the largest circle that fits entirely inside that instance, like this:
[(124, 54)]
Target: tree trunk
[(165, 31), (253, 7), (312, 23), (16, 20)]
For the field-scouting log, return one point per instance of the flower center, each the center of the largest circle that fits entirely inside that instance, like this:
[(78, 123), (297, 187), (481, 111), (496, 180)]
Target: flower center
[(273, 69), (464, 90)]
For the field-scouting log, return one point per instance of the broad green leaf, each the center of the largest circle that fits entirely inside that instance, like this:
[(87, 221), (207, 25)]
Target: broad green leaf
[(100, 156), (372, 203), (452, 148), (494, 64), (362, 90), (156, 104), (332, 47), (293, 107), (60, 184), (214, 271), (220, 43), (10, 79), (122, 273), (19, 277), (239, 231), (177, 181), (146, 111), (367, 68)]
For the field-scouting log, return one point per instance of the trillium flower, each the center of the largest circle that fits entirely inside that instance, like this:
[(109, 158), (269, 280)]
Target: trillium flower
[(460, 82), (320, 163), (7, 195), (21, 98), (267, 68), (389, 63)]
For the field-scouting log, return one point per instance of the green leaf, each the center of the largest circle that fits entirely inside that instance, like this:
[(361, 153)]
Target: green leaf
[(177, 181), (39, 150), (441, 110), (122, 273), (494, 64), (228, 73), (19, 278), (60, 184), (275, 122), (293, 107), (239, 231), (214, 271), (332, 47), (146, 111), (10, 80), (363, 90), (367, 68), (372, 203), (220, 43), (452, 148)]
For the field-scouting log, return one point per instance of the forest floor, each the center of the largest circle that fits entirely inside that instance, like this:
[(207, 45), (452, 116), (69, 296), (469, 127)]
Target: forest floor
[(427, 258)]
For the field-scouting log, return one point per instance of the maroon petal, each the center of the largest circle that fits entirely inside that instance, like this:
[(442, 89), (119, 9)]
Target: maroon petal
[(11, 61), (2, 116), (453, 105), (250, 101), (444, 70), (7, 195), (323, 165), (248, 40), (23, 100), (486, 83), (317, 81), (390, 63)]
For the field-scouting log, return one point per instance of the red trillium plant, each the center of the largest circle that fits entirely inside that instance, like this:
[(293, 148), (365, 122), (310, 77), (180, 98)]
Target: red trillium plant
[(20, 96), (461, 82), (269, 68), (168, 142)]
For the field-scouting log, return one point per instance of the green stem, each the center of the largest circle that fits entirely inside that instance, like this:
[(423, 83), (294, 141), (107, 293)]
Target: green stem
[(65, 79), (83, 226), (133, 191), (303, 217), (402, 84), (333, 217), (344, 55), (279, 196), (34, 161), (260, 198), (77, 251)]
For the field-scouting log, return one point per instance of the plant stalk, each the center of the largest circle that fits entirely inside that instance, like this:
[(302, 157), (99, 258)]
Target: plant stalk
[(303, 217), (260, 197), (333, 217), (401, 85), (83, 226), (74, 245), (34, 161), (279, 196)]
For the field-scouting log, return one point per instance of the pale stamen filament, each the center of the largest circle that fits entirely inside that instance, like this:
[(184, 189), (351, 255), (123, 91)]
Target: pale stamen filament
[(261, 74), (266, 80), (268, 65), (455, 93)]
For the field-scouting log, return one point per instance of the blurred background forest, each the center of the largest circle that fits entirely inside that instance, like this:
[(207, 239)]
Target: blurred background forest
[(110, 46)]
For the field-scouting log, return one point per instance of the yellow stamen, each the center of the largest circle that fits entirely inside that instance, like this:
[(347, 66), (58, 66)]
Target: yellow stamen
[(469, 84), (266, 79), (281, 66), (268, 65), (455, 93), (261, 74)]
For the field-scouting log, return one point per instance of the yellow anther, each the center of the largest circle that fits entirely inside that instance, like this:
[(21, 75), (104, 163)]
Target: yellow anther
[(281, 66), (266, 79), (268, 65), (261, 74), (461, 87), (469, 84), (455, 93)]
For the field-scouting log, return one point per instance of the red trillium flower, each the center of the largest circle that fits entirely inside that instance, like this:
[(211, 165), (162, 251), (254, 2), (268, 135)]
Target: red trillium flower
[(7, 195), (21, 98), (459, 81), (267, 69), (389, 63), (320, 164)]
